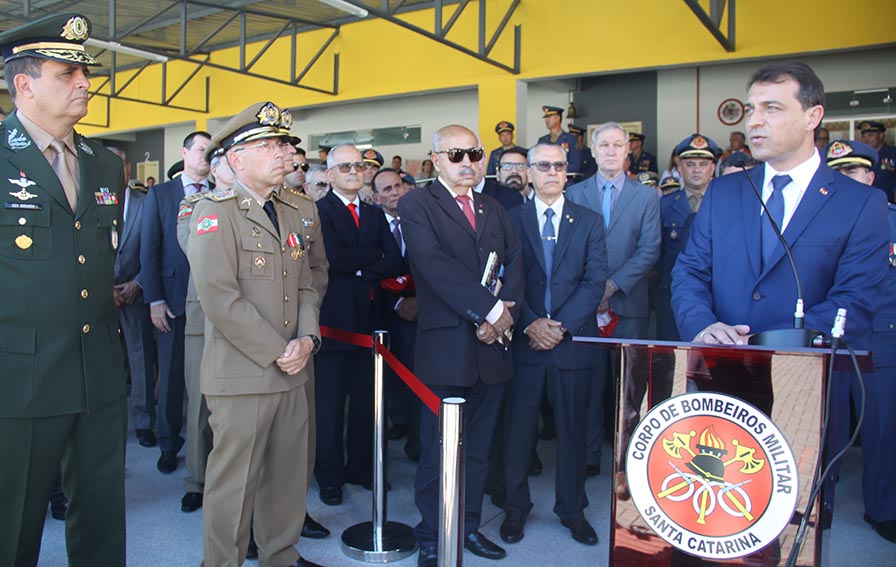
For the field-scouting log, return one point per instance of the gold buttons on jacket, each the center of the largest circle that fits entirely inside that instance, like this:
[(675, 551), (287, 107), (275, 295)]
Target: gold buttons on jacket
[(260, 245), (286, 323), (82, 259), (85, 329), (284, 273), (84, 294), (77, 225), (286, 298)]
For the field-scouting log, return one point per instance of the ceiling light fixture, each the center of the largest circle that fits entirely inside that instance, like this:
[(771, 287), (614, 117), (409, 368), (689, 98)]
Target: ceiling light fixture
[(125, 50), (344, 6)]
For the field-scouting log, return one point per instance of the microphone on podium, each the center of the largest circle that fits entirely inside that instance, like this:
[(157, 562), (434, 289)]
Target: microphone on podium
[(782, 338)]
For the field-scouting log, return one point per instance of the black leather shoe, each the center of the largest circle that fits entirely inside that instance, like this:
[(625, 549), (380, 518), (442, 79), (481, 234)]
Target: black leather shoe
[(478, 544), (592, 470), (887, 530), (312, 529), (397, 432), (512, 526), (146, 437), (428, 557), (535, 466), (581, 530), (412, 450), (191, 502), (331, 496), (167, 462)]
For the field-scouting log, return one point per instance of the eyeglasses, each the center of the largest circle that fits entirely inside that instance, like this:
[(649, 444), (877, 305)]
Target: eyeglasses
[(319, 184), (347, 166), (545, 166), (371, 166), (456, 155), (266, 145), (304, 166), (511, 166)]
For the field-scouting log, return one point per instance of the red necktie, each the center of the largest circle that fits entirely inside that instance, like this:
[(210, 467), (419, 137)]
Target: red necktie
[(353, 209), (464, 201)]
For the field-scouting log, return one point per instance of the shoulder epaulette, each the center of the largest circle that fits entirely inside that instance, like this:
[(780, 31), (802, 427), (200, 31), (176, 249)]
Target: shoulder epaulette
[(298, 193), (218, 195), (196, 197)]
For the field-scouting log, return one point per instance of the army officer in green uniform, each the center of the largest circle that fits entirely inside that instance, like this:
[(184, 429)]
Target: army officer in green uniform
[(62, 383)]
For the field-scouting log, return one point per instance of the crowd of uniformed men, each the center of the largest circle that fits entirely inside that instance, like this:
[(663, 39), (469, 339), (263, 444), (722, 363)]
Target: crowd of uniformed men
[(222, 276)]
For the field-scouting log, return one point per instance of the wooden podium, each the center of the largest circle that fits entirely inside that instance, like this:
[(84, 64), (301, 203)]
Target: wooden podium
[(787, 386)]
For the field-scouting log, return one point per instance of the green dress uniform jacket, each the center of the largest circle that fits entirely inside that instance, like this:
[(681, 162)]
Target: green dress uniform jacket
[(60, 350)]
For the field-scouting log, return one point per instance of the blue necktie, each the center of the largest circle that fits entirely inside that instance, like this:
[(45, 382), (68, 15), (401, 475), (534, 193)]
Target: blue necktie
[(775, 204), (607, 204), (548, 243)]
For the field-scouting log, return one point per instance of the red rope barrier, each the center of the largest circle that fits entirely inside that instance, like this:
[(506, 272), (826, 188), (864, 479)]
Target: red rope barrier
[(426, 395)]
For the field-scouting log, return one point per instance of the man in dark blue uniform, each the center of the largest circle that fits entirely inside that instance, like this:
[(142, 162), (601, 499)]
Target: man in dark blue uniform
[(504, 130), (697, 155), (62, 397), (858, 161), (640, 160), (885, 169), (589, 166), (553, 118)]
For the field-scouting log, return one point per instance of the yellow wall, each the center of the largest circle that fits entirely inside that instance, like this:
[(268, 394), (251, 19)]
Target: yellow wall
[(559, 39)]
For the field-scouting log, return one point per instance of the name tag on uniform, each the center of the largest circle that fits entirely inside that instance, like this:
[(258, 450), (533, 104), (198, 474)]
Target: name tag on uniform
[(25, 206)]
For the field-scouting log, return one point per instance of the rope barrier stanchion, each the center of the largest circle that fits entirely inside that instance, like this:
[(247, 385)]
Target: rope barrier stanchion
[(451, 489), (377, 541)]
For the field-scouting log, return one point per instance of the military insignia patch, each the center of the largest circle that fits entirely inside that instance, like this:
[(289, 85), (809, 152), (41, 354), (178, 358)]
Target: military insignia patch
[(712, 475), (294, 241), (259, 262), (823, 191), (699, 142), (17, 141), (75, 28), (307, 223), (207, 224), (22, 181), (370, 154), (184, 212), (269, 115), (838, 150), (84, 147)]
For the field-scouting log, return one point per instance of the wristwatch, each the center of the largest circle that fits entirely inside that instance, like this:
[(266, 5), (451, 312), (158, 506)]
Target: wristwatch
[(316, 342)]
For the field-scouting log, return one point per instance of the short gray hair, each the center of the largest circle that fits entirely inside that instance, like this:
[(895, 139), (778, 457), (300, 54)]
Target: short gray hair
[(331, 160), (608, 126), (530, 157)]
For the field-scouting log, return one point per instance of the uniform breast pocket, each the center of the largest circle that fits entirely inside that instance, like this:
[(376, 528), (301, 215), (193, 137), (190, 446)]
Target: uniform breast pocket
[(26, 234), (256, 258), (108, 232)]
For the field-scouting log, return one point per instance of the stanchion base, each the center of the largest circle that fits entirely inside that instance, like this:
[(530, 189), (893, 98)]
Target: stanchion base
[(398, 542)]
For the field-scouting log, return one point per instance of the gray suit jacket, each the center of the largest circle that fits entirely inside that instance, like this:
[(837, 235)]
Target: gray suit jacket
[(633, 240), (127, 258)]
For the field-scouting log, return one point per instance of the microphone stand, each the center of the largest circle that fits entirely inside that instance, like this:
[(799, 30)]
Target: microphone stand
[(797, 336)]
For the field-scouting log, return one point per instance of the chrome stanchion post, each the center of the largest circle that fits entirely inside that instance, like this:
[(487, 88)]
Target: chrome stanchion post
[(451, 494), (379, 541)]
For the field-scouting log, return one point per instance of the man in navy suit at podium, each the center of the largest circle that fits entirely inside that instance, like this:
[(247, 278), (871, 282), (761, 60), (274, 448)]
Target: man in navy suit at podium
[(733, 279)]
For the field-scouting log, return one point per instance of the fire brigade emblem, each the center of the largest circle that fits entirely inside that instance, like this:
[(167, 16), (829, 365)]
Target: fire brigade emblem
[(712, 475)]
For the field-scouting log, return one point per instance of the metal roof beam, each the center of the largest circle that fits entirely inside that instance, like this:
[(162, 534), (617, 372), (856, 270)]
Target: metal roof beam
[(713, 20)]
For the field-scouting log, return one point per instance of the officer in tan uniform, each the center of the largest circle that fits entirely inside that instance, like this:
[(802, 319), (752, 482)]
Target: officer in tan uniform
[(199, 433), (253, 277)]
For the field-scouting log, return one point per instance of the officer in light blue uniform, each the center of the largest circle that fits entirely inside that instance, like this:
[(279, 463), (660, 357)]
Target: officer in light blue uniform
[(858, 161), (553, 118)]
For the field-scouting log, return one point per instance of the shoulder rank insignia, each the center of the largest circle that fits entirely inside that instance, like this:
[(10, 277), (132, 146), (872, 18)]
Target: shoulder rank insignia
[(17, 141), (298, 193), (219, 196), (196, 197)]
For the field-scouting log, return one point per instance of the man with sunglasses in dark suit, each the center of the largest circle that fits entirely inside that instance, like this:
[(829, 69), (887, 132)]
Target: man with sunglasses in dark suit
[(450, 231), (361, 251)]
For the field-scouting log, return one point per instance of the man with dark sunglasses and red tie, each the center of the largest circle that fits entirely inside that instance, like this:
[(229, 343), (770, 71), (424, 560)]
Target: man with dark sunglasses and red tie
[(450, 230), (361, 251)]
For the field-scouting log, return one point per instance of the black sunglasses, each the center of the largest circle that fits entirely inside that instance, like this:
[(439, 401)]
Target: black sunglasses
[(304, 166), (456, 155)]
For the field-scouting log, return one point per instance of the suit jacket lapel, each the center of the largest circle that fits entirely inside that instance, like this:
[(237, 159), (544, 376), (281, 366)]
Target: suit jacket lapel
[(750, 211), (135, 206), (30, 161), (626, 194), (449, 205), (592, 196), (564, 235), (813, 199), (530, 218), (347, 218), (254, 212)]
